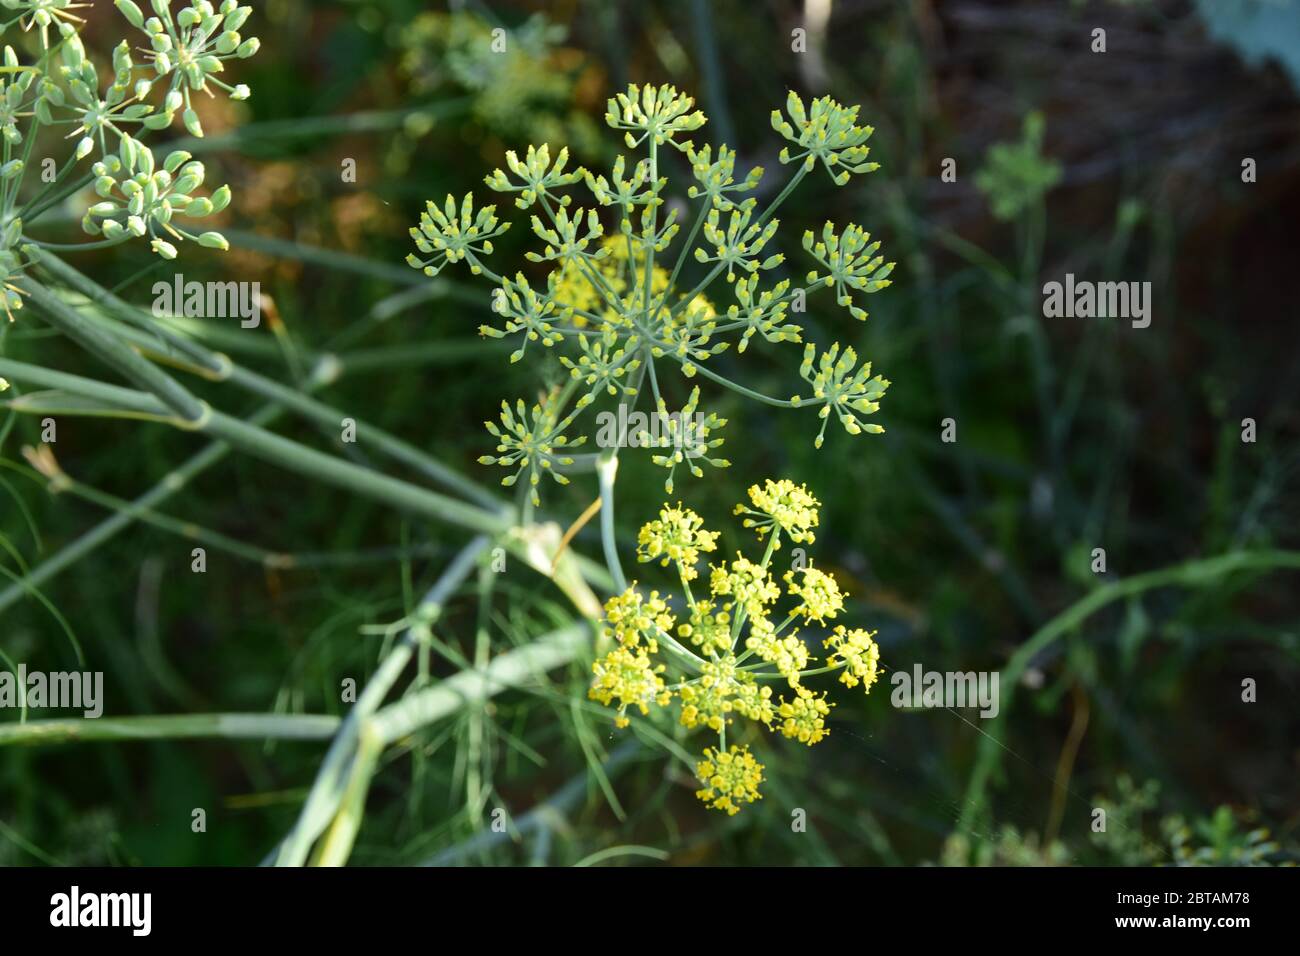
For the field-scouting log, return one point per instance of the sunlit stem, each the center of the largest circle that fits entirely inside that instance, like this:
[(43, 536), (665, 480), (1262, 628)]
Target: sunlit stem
[(606, 471)]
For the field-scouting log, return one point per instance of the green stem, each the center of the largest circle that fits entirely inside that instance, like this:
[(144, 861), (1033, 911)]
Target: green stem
[(326, 793), (172, 727), (112, 352), (749, 392), (774, 675), (1190, 574), (172, 483), (78, 246), (316, 127), (25, 212), (403, 495), (328, 258), (98, 295), (795, 180), (606, 471), (654, 229), (510, 670), (143, 332), (75, 186), (62, 482), (690, 241), (336, 845), (279, 451)]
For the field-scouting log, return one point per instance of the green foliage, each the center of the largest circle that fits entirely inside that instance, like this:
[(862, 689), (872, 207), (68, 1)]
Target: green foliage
[(139, 197), (1221, 840), (522, 81), (1016, 176), (628, 313), (1218, 839)]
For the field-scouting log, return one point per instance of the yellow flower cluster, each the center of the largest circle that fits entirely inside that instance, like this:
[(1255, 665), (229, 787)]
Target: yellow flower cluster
[(749, 584), (782, 504), (630, 618), (627, 674), (858, 653), (722, 689), (708, 629), (708, 702), (819, 593), (678, 536), (728, 648), (789, 655), (622, 270), (803, 718), (730, 778)]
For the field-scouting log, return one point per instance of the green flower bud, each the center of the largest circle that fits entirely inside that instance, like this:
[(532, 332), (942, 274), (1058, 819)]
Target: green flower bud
[(221, 199), (132, 13), (176, 159), (74, 54)]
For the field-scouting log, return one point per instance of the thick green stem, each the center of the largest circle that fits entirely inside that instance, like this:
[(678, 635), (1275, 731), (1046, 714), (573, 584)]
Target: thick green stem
[(110, 350), (148, 334), (307, 461), (279, 451), (606, 470), (510, 670), (336, 845), (97, 294), (326, 793), (171, 483), (173, 727)]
